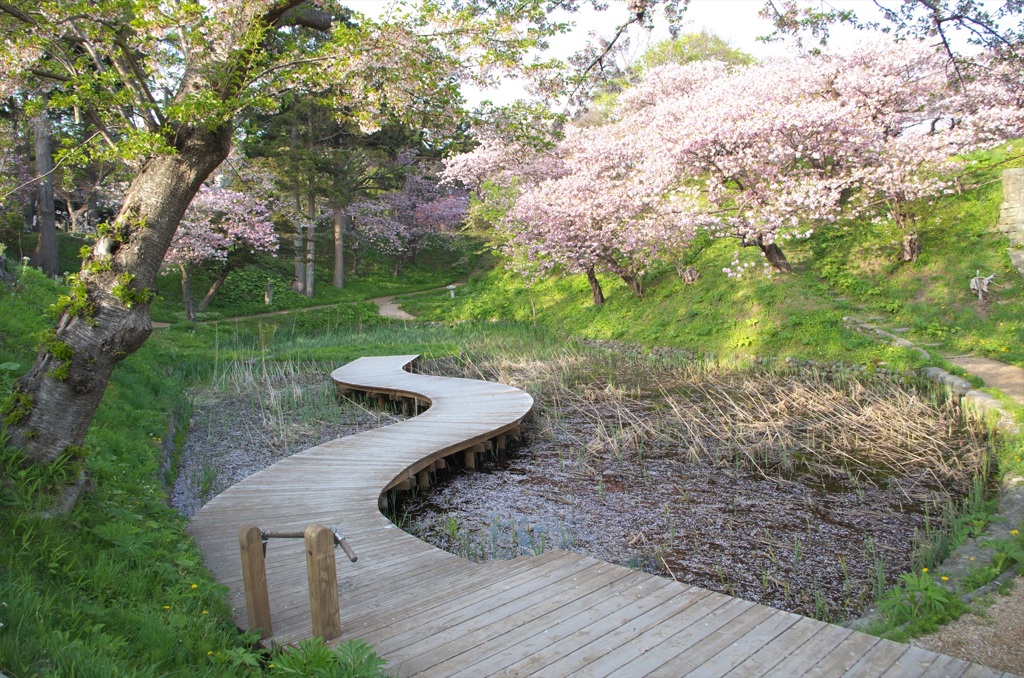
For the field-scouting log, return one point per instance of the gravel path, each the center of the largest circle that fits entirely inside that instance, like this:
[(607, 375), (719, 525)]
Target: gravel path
[(1007, 378), (993, 637)]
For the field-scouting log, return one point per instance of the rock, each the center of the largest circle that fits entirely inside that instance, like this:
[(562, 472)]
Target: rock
[(955, 384)]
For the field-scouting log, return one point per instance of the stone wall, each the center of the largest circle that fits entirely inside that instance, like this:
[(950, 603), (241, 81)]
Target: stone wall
[(1011, 214)]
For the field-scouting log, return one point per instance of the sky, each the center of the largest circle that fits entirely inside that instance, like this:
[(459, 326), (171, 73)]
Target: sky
[(736, 21)]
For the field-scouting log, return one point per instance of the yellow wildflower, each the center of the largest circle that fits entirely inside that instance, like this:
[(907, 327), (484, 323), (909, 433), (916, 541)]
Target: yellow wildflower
[(205, 612), (1014, 532), (945, 579), (924, 569), (167, 607), (195, 586)]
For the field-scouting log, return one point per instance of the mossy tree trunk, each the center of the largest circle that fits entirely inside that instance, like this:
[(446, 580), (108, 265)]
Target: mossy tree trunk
[(106, 316)]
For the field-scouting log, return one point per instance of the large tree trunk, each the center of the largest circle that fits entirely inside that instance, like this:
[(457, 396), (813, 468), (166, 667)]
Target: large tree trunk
[(310, 257), (45, 255), (340, 224), (310, 237), (108, 317), (595, 287), (299, 282), (186, 293)]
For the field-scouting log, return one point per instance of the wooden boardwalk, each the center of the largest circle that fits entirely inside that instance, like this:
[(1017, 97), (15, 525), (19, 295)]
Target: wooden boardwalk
[(432, 613)]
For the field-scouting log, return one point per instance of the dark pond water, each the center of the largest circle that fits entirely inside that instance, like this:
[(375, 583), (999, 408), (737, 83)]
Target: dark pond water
[(785, 544)]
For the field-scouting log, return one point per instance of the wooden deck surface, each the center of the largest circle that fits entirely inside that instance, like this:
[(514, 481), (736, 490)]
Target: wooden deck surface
[(432, 613)]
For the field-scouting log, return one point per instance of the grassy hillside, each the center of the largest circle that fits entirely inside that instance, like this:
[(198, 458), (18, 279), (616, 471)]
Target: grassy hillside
[(243, 291), (848, 269)]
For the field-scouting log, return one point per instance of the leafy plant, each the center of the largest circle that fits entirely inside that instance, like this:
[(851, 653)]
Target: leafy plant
[(919, 603), (312, 657), (1008, 552)]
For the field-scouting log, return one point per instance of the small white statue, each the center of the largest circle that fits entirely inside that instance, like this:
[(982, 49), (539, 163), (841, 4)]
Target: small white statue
[(979, 285)]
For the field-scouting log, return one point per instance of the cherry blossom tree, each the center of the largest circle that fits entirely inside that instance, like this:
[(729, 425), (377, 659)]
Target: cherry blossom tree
[(596, 212), (219, 224), (759, 153), (782, 146), (399, 221)]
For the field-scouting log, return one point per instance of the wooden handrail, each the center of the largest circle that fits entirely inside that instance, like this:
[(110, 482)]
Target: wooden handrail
[(321, 573)]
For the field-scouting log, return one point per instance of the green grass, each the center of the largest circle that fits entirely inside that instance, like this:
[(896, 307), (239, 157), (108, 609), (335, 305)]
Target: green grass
[(243, 291), (114, 588)]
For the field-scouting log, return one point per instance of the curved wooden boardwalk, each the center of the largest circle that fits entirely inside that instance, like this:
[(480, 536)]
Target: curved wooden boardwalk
[(431, 613)]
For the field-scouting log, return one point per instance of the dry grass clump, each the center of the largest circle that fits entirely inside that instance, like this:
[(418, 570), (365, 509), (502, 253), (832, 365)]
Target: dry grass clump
[(788, 424), (782, 425)]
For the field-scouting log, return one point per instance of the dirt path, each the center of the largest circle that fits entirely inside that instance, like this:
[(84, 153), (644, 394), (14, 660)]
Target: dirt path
[(387, 307), (1007, 378)]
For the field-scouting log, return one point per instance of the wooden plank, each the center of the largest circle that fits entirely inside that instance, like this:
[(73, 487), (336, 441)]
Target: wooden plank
[(912, 664), (878, 659), (946, 667), (569, 652), (791, 640), (979, 671), (443, 655), (718, 607), (533, 640), (736, 652), (389, 620), (681, 663), (482, 602), (844, 655), (810, 653)]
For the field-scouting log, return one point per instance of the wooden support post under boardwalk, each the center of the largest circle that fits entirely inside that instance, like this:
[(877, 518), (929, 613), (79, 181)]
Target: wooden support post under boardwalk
[(501, 441), (323, 582), (423, 479), (470, 459), (254, 579)]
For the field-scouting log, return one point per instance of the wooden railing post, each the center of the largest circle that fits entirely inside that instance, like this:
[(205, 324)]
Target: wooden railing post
[(254, 579), (323, 582)]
